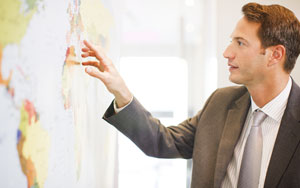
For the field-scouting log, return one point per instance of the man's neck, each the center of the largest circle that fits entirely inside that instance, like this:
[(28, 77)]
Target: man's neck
[(264, 92)]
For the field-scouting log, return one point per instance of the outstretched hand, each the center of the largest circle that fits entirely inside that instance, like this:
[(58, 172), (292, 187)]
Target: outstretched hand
[(104, 70)]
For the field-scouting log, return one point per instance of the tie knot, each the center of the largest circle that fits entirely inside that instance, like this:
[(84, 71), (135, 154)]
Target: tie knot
[(258, 117)]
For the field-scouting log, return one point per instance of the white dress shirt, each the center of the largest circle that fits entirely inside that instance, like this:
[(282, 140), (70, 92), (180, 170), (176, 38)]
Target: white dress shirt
[(270, 126)]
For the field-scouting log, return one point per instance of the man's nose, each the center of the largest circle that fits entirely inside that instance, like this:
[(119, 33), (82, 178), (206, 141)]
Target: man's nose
[(228, 54)]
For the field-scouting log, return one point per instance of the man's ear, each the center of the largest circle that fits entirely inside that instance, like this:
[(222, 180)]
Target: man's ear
[(277, 55)]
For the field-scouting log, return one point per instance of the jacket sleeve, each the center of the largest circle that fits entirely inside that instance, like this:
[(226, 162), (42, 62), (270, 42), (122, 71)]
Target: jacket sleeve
[(153, 138)]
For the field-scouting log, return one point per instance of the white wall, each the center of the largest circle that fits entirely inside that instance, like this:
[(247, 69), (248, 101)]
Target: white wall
[(228, 13)]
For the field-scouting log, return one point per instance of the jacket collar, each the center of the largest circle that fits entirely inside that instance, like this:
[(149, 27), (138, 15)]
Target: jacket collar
[(232, 129)]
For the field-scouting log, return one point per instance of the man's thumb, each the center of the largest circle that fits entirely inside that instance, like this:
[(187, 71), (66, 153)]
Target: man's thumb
[(93, 72)]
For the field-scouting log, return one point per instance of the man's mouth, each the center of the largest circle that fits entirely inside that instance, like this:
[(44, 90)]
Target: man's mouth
[(232, 67)]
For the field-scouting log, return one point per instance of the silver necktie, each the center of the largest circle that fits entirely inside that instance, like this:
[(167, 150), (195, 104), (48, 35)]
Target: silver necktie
[(251, 162)]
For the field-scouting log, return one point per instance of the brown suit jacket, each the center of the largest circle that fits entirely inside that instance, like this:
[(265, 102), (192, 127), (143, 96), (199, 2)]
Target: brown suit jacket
[(209, 138)]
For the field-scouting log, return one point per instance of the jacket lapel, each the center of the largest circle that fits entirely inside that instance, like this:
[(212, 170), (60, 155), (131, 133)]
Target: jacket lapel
[(287, 139), (234, 123)]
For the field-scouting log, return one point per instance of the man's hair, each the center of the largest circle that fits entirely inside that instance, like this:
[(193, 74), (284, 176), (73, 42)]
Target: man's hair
[(279, 26)]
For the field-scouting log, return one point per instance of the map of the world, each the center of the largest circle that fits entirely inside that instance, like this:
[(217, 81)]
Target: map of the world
[(51, 130)]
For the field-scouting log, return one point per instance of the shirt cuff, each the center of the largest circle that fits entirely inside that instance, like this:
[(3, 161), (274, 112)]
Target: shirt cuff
[(117, 110)]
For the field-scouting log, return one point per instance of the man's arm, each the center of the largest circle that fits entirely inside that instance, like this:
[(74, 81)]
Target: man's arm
[(134, 121), (152, 137)]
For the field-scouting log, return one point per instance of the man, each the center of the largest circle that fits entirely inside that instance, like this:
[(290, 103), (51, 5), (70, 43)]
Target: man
[(264, 48)]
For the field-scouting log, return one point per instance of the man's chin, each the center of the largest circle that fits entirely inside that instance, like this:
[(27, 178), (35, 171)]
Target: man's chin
[(234, 80)]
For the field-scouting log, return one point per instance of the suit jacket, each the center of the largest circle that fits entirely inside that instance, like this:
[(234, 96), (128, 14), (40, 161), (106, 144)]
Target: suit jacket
[(210, 137)]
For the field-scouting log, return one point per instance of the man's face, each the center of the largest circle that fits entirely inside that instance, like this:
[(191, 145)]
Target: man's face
[(246, 60)]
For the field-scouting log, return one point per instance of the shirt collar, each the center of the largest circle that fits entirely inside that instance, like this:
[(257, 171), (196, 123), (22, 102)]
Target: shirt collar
[(275, 108)]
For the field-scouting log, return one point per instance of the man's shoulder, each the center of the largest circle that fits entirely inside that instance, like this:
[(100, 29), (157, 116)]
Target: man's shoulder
[(228, 95), (231, 91)]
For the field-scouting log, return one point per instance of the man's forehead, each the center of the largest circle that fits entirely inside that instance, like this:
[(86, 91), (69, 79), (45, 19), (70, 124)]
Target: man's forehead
[(245, 30)]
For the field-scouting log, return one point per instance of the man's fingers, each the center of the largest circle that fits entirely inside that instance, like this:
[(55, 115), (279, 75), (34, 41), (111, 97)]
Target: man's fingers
[(94, 64), (92, 71), (91, 63), (84, 49), (87, 54), (90, 50), (89, 45), (98, 53)]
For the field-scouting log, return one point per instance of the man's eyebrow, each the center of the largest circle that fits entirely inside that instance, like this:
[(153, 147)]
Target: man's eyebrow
[(239, 38)]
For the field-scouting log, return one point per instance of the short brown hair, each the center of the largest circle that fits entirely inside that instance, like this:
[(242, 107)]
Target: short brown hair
[(279, 25)]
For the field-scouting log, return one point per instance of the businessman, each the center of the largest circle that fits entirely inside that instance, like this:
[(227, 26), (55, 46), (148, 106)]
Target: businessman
[(245, 136)]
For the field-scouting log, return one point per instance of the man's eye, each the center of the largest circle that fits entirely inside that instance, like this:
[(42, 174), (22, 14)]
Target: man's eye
[(240, 43)]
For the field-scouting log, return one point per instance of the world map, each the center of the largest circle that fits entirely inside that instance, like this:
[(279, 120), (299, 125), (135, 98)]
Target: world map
[(51, 131)]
